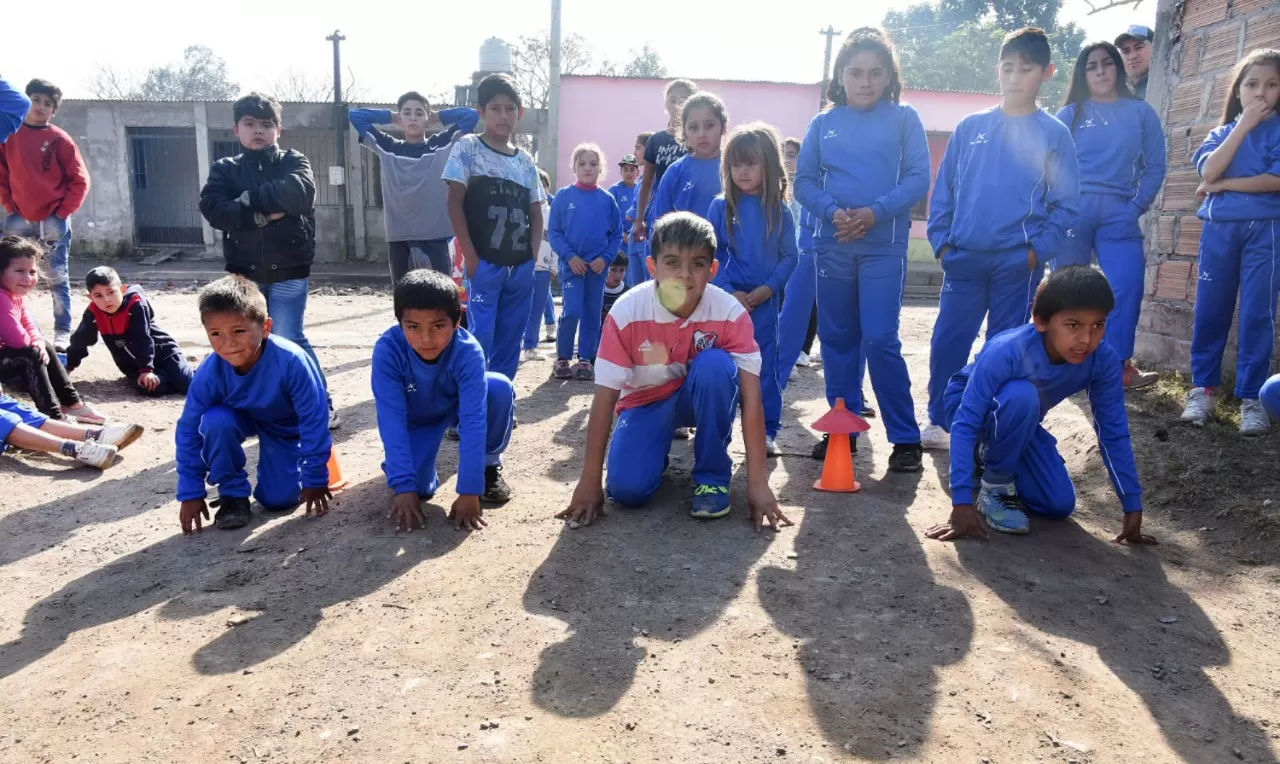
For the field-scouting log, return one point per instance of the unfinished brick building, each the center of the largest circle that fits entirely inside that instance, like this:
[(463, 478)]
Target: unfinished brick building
[(1197, 44)]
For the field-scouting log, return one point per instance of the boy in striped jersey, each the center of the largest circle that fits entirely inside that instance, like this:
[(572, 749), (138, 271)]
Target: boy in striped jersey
[(676, 351)]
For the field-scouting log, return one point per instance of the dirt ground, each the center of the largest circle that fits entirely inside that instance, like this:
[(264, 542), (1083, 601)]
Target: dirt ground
[(650, 637)]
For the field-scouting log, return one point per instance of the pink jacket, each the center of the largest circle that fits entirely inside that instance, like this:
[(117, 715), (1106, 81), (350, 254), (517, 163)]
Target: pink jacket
[(17, 330)]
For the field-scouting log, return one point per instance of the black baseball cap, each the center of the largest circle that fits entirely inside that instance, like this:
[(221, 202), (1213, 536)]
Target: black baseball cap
[(1137, 32), (629, 159)]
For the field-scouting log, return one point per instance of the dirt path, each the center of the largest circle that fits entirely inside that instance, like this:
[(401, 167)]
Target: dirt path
[(649, 638)]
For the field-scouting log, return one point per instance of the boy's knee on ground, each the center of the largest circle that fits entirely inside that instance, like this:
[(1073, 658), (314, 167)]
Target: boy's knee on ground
[(631, 496)]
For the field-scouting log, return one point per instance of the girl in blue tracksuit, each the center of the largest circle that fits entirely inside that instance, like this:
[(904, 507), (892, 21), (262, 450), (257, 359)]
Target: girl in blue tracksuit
[(585, 233), (863, 164), (756, 249), (693, 181), (1239, 163), (1121, 153), (543, 309)]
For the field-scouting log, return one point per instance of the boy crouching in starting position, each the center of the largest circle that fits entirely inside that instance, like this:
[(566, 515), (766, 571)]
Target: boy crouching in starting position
[(428, 373), (676, 352), (255, 384)]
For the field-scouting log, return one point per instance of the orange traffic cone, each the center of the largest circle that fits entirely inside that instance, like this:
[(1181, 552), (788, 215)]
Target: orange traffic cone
[(837, 470), (336, 480)]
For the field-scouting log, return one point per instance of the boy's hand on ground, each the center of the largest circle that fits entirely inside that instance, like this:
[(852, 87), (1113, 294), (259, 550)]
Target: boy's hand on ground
[(190, 513), (598, 265), (585, 506), (406, 511), (578, 266), (964, 522), (317, 500), (759, 296), (148, 381), (763, 506), (466, 514), (1132, 533)]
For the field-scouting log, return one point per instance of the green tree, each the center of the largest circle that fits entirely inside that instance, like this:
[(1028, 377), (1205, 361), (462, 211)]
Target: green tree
[(644, 63)]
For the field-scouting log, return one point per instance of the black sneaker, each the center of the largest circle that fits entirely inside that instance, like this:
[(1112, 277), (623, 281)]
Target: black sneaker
[(819, 451), (867, 412), (496, 490), (906, 457), (451, 432), (233, 512)]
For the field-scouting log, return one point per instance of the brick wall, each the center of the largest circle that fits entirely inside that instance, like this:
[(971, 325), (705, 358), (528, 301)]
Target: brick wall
[(1197, 44)]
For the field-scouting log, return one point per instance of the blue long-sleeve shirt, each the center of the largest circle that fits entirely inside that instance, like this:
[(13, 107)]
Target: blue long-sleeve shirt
[(688, 185), (751, 255), (284, 395), (1120, 149), (585, 222), (1019, 354), (14, 106), (409, 392), (461, 120), (625, 196), (1005, 182), (852, 158), (1258, 154)]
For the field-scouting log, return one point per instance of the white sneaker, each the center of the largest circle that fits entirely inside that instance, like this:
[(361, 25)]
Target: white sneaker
[(681, 433), (532, 354), (61, 341), (335, 419), (1254, 419), (771, 447), (934, 438), (84, 413), (120, 435), (95, 454), (1199, 406), (803, 359)]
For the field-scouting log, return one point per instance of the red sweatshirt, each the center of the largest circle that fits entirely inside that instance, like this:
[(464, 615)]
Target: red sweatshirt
[(42, 173)]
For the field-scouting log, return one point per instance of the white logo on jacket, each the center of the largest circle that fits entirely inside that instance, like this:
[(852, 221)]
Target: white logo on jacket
[(831, 134), (982, 138), (645, 346), (703, 341)]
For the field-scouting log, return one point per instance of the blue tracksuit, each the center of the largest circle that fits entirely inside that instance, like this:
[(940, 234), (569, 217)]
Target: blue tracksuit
[(876, 158), (1007, 187), (1121, 151), (751, 256), (282, 401), (995, 405), (625, 196), (416, 400), (585, 223), (12, 414), (637, 251), (689, 185), (793, 320), (14, 106), (1239, 254)]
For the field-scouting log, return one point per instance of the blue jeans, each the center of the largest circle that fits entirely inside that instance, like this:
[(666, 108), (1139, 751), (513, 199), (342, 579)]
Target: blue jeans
[(54, 233), (287, 307)]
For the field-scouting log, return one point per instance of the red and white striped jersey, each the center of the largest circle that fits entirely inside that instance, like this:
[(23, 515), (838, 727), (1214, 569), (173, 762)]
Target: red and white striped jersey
[(645, 350)]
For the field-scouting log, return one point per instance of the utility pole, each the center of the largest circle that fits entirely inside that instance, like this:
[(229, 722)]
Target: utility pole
[(830, 33), (552, 163), (340, 144)]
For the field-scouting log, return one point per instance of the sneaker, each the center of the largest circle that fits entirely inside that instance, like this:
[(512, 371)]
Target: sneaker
[(1002, 510), (562, 370), (531, 354), (95, 454), (771, 447), (1254, 419), (803, 360), (866, 412), (710, 502), (233, 512), (586, 372), (819, 451), (335, 419), (1199, 406), (496, 490), (682, 433), (550, 333), (934, 438), (451, 432), (84, 413), (906, 457), (61, 341), (1135, 378), (119, 435)]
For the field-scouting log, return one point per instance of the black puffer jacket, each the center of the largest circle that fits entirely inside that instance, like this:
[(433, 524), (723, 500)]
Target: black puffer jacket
[(243, 192)]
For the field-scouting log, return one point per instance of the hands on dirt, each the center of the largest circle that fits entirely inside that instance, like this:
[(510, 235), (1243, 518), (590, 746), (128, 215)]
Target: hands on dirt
[(587, 504), (964, 523), (1132, 533), (466, 514), (191, 512)]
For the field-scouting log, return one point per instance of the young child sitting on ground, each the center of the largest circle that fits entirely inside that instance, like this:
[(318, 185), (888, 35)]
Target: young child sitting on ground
[(995, 405), (24, 427), (255, 384), (428, 372), (26, 357), (677, 351), (615, 284), (143, 352)]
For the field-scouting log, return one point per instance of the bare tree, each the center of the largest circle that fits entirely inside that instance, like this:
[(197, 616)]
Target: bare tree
[(200, 76), (306, 87), (1098, 6), (531, 64), (110, 84)]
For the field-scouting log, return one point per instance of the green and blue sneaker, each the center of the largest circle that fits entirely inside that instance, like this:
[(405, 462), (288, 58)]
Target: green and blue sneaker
[(1002, 510), (710, 501)]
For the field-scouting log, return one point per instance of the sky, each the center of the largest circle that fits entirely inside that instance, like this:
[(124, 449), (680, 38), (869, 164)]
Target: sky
[(432, 45)]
